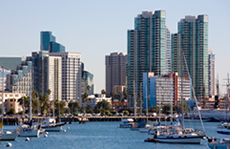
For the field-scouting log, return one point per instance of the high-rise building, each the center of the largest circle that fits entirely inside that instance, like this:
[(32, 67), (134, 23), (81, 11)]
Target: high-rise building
[(10, 63), (87, 84), (54, 77), (71, 75), (4, 72), (168, 51), (40, 72), (148, 51), (194, 47), (176, 54), (47, 74), (211, 74), (165, 89), (56, 70), (115, 71), (20, 80), (48, 43)]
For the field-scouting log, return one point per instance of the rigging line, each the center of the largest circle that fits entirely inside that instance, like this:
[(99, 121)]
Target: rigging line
[(194, 96)]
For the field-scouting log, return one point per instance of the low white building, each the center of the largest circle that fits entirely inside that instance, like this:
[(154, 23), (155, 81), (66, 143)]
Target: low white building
[(10, 101), (92, 100)]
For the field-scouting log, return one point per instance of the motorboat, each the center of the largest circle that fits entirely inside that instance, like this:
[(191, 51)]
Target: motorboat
[(8, 135), (127, 123), (214, 143), (224, 128)]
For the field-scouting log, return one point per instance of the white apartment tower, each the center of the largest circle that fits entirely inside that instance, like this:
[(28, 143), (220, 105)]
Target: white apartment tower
[(54, 77), (71, 75), (211, 74)]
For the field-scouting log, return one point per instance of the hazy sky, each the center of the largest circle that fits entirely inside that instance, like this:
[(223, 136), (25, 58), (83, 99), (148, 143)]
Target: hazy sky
[(97, 27)]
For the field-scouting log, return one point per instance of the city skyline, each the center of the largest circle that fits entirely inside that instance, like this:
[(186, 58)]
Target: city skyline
[(95, 27)]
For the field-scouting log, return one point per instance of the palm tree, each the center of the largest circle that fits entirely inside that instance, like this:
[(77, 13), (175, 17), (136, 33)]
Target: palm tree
[(24, 102), (84, 100), (103, 91), (74, 106), (45, 103)]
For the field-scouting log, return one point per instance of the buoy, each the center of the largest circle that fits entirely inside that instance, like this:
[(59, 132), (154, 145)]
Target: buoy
[(45, 135), (64, 130), (8, 144), (27, 139)]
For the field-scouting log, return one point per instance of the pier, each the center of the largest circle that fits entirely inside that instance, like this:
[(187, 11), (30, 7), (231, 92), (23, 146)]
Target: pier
[(14, 120)]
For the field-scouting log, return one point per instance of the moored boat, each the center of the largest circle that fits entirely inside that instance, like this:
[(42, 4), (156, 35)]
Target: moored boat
[(127, 123), (177, 135), (28, 131), (214, 143), (7, 136), (224, 128), (50, 125)]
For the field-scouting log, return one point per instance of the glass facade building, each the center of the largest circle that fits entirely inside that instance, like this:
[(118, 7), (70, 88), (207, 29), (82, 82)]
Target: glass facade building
[(48, 42), (148, 51), (194, 46), (20, 80), (10, 63)]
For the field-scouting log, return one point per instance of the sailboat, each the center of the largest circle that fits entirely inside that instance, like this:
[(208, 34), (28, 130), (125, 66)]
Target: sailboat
[(5, 135), (50, 124), (179, 134), (224, 127), (146, 125), (29, 129)]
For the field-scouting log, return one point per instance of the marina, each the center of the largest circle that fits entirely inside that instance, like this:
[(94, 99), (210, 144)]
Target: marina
[(105, 135)]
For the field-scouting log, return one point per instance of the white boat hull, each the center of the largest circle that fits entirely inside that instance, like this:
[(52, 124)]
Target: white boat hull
[(29, 133), (8, 137)]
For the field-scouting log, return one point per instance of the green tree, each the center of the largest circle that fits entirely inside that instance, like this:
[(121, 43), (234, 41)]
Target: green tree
[(11, 111), (74, 107), (59, 107), (102, 106), (166, 109), (182, 107), (103, 91), (24, 102), (45, 104), (126, 112)]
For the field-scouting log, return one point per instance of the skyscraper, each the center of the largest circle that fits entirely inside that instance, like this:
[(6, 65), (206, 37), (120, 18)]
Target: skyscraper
[(115, 71), (56, 70), (54, 77), (47, 74), (87, 84), (20, 80), (194, 46), (147, 50), (71, 75), (211, 74), (48, 42), (176, 54)]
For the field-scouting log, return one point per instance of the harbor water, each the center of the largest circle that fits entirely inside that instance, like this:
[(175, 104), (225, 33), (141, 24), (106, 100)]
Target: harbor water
[(105, 135)]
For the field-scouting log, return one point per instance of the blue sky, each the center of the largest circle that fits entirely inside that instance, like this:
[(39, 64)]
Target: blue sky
[(96, 28)]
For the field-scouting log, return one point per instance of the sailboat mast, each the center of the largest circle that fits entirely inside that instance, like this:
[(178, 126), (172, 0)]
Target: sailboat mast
[(227, 97), (30, 104), (2, 70), (146, 96), (134, 96), (193, 92)]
